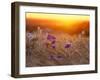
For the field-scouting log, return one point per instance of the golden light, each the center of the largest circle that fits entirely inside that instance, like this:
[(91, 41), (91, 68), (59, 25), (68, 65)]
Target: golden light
[(65, 22)]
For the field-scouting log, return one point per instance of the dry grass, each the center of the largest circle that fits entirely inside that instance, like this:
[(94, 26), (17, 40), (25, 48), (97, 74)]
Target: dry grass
[(39, 54)]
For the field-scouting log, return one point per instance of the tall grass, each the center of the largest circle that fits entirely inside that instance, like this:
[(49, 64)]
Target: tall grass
[(39, 50)]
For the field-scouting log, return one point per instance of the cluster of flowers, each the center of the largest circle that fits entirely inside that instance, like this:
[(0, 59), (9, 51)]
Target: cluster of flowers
[(52, 40)]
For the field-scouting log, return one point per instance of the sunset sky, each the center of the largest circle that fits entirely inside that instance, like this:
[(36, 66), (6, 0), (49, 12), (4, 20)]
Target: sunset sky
[(67, 23)]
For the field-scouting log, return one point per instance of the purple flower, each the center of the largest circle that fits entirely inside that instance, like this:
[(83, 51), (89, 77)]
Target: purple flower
[(50, 37), (29, 35), (53, 42), (68, 45), (53, 46), (60, 58), (51, 57)]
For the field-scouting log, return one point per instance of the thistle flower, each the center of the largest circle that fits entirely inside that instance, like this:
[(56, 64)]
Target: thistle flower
[(53, 45), (50, 37), (59, 58), (68, 45), (51, 57), (29, 35), (53, 42)]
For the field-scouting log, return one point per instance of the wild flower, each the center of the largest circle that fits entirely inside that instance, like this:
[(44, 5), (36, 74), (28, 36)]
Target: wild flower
[(51, 38), (29, 35), (68, 45)]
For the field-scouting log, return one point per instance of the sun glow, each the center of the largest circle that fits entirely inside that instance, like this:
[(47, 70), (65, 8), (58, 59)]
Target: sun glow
[(65, 22)]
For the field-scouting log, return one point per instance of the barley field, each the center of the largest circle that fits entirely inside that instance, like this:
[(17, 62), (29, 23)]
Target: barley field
[(54, 48)]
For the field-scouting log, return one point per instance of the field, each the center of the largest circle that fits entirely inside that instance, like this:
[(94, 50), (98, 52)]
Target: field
[(46, 47)]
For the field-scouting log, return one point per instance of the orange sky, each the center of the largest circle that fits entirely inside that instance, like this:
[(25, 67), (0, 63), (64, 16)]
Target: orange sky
[(68, 23)]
